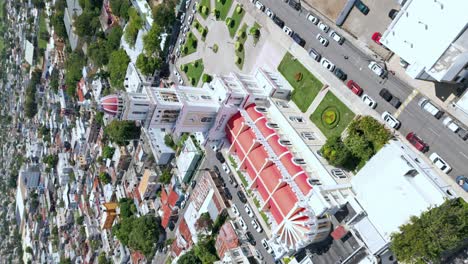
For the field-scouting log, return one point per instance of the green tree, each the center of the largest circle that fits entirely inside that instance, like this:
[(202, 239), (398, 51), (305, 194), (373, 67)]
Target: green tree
[(98, 53), (73, 66), (104, 177), (121, 132), (102, 259), (133, 26), (433, 235), (189, 258), (113, 39), (120, 8), (39, 4), (148, 65), (205, 250), (108, 152), (51, 160), (204, 222), (117, 67), (337, 154), (87, 23), (29, 250), (164, 15), (166, 176), (152, 40), (127, 208)]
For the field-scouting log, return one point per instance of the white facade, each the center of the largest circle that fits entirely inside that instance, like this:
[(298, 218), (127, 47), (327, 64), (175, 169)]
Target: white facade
[(432, 37), (137, 106), (133, 82), (161, 152)]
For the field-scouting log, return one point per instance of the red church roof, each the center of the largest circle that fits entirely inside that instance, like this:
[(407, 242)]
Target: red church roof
[(110, 104)]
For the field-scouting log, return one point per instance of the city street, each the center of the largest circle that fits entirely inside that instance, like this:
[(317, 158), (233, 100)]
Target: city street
[(211, 161), (448, 145)]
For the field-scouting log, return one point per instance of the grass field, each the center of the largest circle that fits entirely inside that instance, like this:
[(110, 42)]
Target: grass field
[(241, 37), (194, 71), (223, 7), (191, 44), (344, 118), (42, 30), (206, 3), (306, 87), (236, 20)]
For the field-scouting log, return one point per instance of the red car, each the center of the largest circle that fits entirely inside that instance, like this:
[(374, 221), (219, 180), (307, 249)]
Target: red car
[(417, 142), (354, 87), (376, 37)]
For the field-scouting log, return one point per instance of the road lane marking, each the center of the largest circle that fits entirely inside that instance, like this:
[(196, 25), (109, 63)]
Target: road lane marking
[(405, 103), (464, 155), (433, 131)]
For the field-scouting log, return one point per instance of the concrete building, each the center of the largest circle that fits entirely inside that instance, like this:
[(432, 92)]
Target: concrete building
[(162, 153), (238, 255), (72, 10), (64, 170), (148, 185), (187, 161), (436, 49), (226, 240), (109, 213)]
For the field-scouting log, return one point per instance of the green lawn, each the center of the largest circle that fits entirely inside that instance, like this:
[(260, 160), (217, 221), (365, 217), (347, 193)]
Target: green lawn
[(236, 20), (206, 3), (223, 6), (190, 45), (194, 71), (345, 116), (42, 30), (202, 30), (256, 38), (241, 37), (306, 89)]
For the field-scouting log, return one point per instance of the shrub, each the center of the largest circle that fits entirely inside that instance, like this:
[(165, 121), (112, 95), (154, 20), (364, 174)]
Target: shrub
[(194, 43), (229, 22), (204, 32), (195, 64), (185, 68), (239, 9), (216, 13), (238, 46), (254, 32), (205, 10), (241, 34), (298, 76), (192, 81), (238, 60), (215, 48), (206, 78)]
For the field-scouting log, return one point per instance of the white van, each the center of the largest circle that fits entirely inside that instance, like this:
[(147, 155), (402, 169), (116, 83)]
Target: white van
[(426, 104)]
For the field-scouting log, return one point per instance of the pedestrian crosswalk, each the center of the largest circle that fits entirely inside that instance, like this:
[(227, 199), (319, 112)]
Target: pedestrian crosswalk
[(405, 103)]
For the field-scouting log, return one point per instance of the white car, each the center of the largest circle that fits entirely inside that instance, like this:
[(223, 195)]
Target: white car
[(182, 17), (369, 101), (181, 41), (181, 81), (259, 6), (235, 210), (312, 19), (322, 40), (440, 163), (323, 27), (258, 254), (248, 210), (287, 30), (190, 19), (377, 69), (336, 37), (327, 64), (176, 73), (266, 246), (269, 13), (214, 148), (226, 168), (242, 223), (390, 120), (257, 226)]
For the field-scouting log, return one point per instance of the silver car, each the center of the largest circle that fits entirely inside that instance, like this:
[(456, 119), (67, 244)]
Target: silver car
[(327, 64), (322, 40)]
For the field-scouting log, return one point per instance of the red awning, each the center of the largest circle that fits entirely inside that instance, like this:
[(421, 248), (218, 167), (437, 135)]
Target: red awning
[(339, 232)]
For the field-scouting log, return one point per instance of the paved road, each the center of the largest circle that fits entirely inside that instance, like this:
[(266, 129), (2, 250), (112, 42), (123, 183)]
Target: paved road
[(413, 118), (212, 161)]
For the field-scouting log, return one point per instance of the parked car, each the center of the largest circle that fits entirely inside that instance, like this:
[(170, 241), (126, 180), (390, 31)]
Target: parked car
[(377, 69), (450, 124), (288, 30), (327, 64), (266, 246), (386, 95), (300, 41), (315, 55), (190, 19), (376, 37), (242, 223), (392, 14), (232, 181), (323, 27), (440, 163), (391, 120), (235, 210), (463, 133), (338, 173), (248, 210), (369, 101), (256, 226), (220, 157), (429, 107), (354, 87), (226, 168), (259, 6), (417, 142), (295, 4), (336, 37), (361, 7), (322, 40), (242, 197), (312, 19), (269, 13), (227, 193), (258, 254), (340, 74), (462, 181), (278, 21), (250, 238), (395, 102), (217, 171)]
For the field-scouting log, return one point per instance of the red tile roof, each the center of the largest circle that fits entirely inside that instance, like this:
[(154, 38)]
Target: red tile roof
[(270, 177), (254, 114), (227, 239)]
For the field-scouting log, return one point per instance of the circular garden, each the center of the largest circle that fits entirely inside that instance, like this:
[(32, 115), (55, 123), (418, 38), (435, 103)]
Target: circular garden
[(330, 117)]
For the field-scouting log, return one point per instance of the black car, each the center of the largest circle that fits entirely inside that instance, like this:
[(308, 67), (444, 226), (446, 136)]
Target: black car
[(220, 157), (217, 171), (392, 14), (395, 102), (386, 95), (295, 4), (227, 193), (232, 181), (278, 21), (298, 39), (250, 238), (241, 196), (340, 74)]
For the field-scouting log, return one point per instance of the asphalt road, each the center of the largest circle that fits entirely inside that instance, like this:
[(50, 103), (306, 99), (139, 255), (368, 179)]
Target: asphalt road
[(212, 161), (441, 140)]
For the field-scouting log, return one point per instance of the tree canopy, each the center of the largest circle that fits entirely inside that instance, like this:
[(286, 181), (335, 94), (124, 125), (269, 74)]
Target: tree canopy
[(127, 208), (74, 65), (205, 250), (133, 26), (433, 235), (120, 8), (189, 258), (148, 65), (117, 67), (121, 132)]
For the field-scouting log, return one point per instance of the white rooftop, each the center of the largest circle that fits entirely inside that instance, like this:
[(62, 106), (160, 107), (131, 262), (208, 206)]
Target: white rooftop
[(389, 196), (423, 30)]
